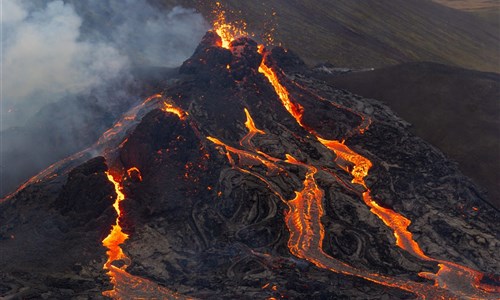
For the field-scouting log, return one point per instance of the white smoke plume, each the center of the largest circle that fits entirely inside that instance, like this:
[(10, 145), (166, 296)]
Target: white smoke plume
[(67, 72), (55, 48)]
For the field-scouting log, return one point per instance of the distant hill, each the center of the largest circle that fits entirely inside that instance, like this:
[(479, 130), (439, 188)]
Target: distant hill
[(360, 34), (455, 109), (371, 33), (488, 10), (470, 5)]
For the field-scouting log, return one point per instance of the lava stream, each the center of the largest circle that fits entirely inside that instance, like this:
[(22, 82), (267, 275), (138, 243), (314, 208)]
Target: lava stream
[(304, 221), (125, 285), (461, 280), (246, 141), (307, 234), (167, 107), (116, 237), (296, 110)]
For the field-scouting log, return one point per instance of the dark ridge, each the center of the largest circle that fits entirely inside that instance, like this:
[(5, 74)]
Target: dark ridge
[(455, 109)]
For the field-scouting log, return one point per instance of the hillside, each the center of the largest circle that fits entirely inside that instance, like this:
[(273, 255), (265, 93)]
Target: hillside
[(487, 10), (238, 182), (370, 33), (470, 5), (454, 109)]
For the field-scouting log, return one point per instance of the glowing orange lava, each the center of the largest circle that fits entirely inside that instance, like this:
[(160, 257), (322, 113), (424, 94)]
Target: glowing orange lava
[(307, 234), (252, 131), (167, 107), (128, 286), (245, 157), (135, 171), (296, 110), (361, 166), (226, 30), (116, 237)]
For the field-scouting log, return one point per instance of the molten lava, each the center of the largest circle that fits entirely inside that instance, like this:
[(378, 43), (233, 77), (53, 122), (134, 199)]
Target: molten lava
[(296, 110), (116, 237), (304, 233), (252, 131), (170, 108), (134, 172), (304, 221), (226, 30), (125, 285)]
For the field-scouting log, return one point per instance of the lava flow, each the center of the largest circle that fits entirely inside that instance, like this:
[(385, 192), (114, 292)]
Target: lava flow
[(167, 107), (304, 217), (125, 285), (296, 110), (115, 238), (461, 280), (252, 131)]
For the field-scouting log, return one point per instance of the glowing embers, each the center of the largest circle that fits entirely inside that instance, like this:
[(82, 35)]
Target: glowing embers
[(116, 237), (170, 108), (226, 30)]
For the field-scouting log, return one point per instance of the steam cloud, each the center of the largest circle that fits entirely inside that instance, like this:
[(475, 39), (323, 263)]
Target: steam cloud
[(51, 51), (58, 54)]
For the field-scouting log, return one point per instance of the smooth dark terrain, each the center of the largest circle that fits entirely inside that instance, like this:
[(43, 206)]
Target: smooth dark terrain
[(455, 109), (488, 10), (360, 33), (370, 33)]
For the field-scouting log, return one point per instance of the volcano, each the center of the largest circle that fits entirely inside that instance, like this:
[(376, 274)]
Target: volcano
[(249, 179)]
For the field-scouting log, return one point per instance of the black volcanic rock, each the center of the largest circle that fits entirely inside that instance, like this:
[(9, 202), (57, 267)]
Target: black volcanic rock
[(287, 60), (80, 206), (51, 236), (455, 109), (208, 58), (246, 58), (208, 216)]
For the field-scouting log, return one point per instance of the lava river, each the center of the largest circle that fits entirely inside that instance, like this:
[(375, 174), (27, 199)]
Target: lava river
[(126, 285), (459, 280), (305, 210)]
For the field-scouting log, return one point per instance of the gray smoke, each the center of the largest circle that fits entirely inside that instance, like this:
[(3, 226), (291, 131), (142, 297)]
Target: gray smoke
[(68, 72), (55, 48)]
